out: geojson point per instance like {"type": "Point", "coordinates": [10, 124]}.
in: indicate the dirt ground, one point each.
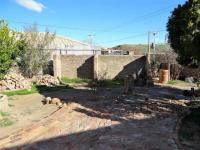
{"type": "Point", "coordinates": [103, 119]}
{"type": "Point", "coordinates": [24, 111]}
{"type": "Point", "coordinates": [190, 131]}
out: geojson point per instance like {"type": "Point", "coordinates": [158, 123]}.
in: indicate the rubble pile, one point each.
{"type": "Point", "coordinates": [47, 80]}
{"type": "Point", "coordinates": [13, 81]}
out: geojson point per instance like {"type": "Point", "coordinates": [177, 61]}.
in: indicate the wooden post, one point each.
{"type": "Point", "coordinates": [148, 56]}
{"type": "Point", "coordinates": [149, 46]}
{"type": "Point", "coordinates": [128, 84]}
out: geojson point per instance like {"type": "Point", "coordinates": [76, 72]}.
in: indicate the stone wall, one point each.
{"type": "Point", "coordinates": [98, 66]}
{"type": "Point", "coordinates": [111, 67]}
{"type": "Point", "coordinates": [190, 72]}
{"type": "Point", "coordinates": [73, 66]}
{"type": "Point", "coordinates": [171, 58]}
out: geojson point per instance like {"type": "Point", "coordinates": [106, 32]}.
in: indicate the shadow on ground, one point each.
{"type": "Point", "coordinates": [144, 120]}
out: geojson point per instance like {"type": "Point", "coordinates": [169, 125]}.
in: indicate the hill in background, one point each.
{"type": "Point", "coordinates": [142, 48]}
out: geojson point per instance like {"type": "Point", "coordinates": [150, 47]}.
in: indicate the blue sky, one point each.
{"type": "Point", "coordinates": [112, 22]}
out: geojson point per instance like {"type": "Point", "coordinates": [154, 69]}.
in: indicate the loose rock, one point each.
{"type": "Point", "coordinates": [59, 104]}
{"type": "Point", "coordinates": [55, 101]}
{"type": "Point", "coordinates": [189, 79]}
{"type": "Point", "coordinates": [14, 81]}
{"type": "Point", "coordinates": [47, 80]}
{"type": "Point", "coordinates": [48, 100]}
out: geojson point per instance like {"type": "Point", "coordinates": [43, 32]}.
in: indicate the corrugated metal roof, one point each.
{"type": "Point", "coordinates": [67, 43]}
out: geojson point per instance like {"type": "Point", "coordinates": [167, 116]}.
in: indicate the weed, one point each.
{"type": "Point", "coordinates": [35, 89]}
{"type": "Point", "coordinates": [172, 82]}
{"type": "Point", "coordinates": [3, 114]}
{"type": "Point", "coordinates": [6, 122]}
{"type": "Point", "coordinates": [67, 80]}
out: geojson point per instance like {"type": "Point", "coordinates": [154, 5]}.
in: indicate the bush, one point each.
{"type": "Point", "coordinates": [9, 47]}
{"type": "Point", "coordinates": [36, 55]}
{"type": "Point", "coordinates": [175, 70]}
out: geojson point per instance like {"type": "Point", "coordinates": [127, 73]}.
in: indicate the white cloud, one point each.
{"type": "Point", "coordinates": [31, 4]}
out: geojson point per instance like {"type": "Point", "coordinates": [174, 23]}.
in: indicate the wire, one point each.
{"type": "Point", "coordinates": [64, 27]}
{"type": "Point", "coordinates": [126, 38]}
{"type": "Point", "coordinates": [132, 37]}
{"type": "Point", "coordinates": [140, 18]}
{"type": "Point", "coordinates": [135, 20]}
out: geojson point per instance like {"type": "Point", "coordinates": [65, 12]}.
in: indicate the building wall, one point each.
{"type": "Point", "coordinates": [111, 67]}
{"type": "Point", "coordinates": [77, 66]}
{"type": "Point", "coordinates": [98, 66]}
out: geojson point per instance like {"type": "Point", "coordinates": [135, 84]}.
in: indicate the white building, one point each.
{"type": "Point", "coordinates": [67, 46]}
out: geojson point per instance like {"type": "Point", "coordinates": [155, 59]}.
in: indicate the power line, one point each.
{"type": "Point", "coordinates": [132, 37]}
{"type": "Point", "coordinates": [140, 18]}
{"type": "Point", "coordinates": [126, 38]}
{"type": "Point", "coordinates": [135, 20]}
{"type": "Point", "coordinates": [54, 26]}
{"type": "Point", "coordinates": [63, 27]}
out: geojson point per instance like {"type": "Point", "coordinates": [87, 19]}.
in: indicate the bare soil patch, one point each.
{"type": "Point", "coordinates": [190, 130]}
{"type": "Point", "coordinates": [108, 119]}
{"type": "Point", "coordinates": [25, 110]}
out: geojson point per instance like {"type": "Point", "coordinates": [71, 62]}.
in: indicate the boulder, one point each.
{"type": "Point", "coordinates": [59, 104]}
{"type": "Point", "coordinates": [189, 79]}
{"type": "Point", "coordinates": [48, 100]}
{"type": "Point", "coordinates": [55, 101]}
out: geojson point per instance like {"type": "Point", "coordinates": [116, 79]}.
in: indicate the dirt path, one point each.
{"type": "Point", "coordinates": [106, 120]}
{"type": "Point", "coordinates": [25, 110]}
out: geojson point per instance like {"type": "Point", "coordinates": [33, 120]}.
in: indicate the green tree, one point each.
{"type": "Point", "coordinates": [184, 32]}
{"type": "Point", "coordinates": [9, 47]}
{"type": "Point", "coordinates": [36, 54]}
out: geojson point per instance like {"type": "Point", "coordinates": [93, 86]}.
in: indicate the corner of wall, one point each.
{"type": "Point", "coordinates": [96, 66]}
{"type": "Point", "coordinates": [57, 66]}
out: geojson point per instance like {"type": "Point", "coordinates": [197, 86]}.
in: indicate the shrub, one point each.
{"type": "Point", "coordinates": [9, 47]}
{"type": "Point", "coordinates": [36, 55]}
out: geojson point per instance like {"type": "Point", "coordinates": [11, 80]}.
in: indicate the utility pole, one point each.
{"type": "Point", "coordinates": [149, 49]}
{"type": "Point", "coordinates": [166, 38]}
{"type": "Point", "coordinates": [91, 42]}
{"type": "Point", "coordinates": [154, 45]}
{"type": "Point", "coordinates": [91, 39]}
{"type": "Point", "coordinates": [149, 40]}
{"type": "Point", "coordinates": [148, 60]}
{"type": "Point", "coordinates": [154, 42]}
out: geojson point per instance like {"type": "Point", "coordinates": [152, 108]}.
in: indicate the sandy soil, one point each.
{"type": "Point", "coordinates": [25, 110]}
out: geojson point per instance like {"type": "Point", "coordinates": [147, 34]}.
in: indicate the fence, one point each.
{"type": "Point", "coordinates": [75, 52]}
{"type": "Point", "coordinates": [98, 66]}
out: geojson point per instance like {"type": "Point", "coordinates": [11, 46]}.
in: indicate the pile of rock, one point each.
{"type": "Point", "coordinates": [14, 81]}
{"type": "Point", "coordinates": [47, 80]}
